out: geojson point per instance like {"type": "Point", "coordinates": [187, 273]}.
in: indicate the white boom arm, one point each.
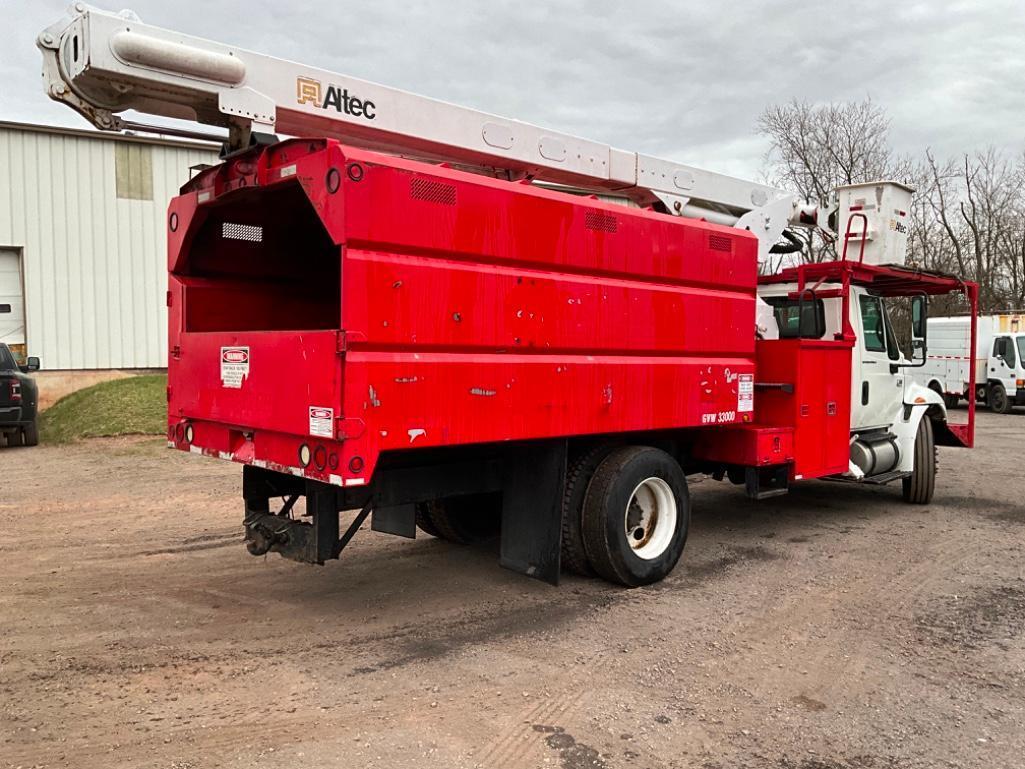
{"type": "Point", "coordinates": [101, 64]}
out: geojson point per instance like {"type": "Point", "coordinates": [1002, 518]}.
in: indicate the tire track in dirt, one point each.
{"type": "Point", "coordinates": [518, 746]}
{"type": "Point", "coordinates": [832, 671]}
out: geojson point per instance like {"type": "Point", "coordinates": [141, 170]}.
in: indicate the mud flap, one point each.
{"type": "Point", "coordinates": [534, 481]}
{"type": "Point", "coordinates": [395, 519]}
{"type": "Point", "coordinates": [765, 482]}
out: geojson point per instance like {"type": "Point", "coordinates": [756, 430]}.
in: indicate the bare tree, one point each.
{"type": "Point", "coordinates": [816, 148]}
{"type": "Point", "coordinates": [968, 214]}
{"type": "Point", "coordinates": [978, 203]}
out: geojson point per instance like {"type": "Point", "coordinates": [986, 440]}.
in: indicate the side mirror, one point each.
{"type": "Point", "coordinates": [919, 313]}
{"type": "Point", "coordinates": [32, 363]}
{"type": "Point", "coordinates": [919, 329]}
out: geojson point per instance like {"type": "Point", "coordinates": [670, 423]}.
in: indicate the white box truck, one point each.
{"type": "Point", "coordinates": [999, 358]}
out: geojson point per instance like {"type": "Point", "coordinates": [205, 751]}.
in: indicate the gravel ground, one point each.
{"type": "Point", "coordinates": [835, 628]}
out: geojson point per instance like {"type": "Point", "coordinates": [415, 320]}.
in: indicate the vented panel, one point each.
{"type": "Point", "coordinates": [720, 243]}
{"type": "Point", "coordinates": [250, 232]}
{"type": "Point", "coordinates": [601, 220]}
{"type": "Point", "coordinates": [432, 191]}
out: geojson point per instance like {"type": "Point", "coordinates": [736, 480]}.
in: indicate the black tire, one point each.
{"type": "Point", "coordinates": [919, 488]}
{"type": "Point", "coordinates": [30, 434]}
{"type": "Point", "coordinates": [951, 400]}
{"type": "Point", "coordinates": [462, 520]}
{"type": "Point", "coordinates": [423, 520]}
{"type": "Point", "coordinates": [578, 478]}
{"type": "Point", "coordinates": [609, 503]}
{"type": "Point", "coordinates": [998, 400]}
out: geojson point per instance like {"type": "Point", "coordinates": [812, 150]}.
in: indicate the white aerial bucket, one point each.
{"type": "Point", "coordinates": [886, 208]}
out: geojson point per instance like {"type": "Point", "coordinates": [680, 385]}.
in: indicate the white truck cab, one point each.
{"type": "Point", "coordinates": [887, 403]}
{"type": "Point", "coordinates": [999, 360]}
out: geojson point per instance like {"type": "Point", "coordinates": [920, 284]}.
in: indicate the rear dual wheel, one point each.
{"type": "Point", "coordinates": [626, 513]}
{"type": "Point", "coordinates": [634, 515]}
{"type": "Point", "coordinates": [462, 520]}
{"type": "Point", "coordinates": [25, 436]}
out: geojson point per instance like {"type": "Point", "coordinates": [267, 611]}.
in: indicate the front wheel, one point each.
{"type": "Point", "coordinates": [951, 400]}
{"type": "Point", "coordinates": [998, 400]}
{"type": "Point", "coordinates": [636, 516]}
{"type": "Point", "coordinates": [919, 487]}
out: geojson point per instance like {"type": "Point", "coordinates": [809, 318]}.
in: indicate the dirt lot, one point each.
{"type": "Point", "coordinates": [836, 628]}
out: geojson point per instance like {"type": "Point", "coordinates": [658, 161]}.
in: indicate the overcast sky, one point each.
{"type": "Point", "coordinates": [684, 80]}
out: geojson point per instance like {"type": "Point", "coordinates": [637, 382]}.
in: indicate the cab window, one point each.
{"type": "Point", "coordinates": [892, 348]}
{"type": "Point", "coordinates": [1003, 347]}
{"type": "Point", "coordinates": [872, 324]}
{"type": "Point", "coordinates": [796, 319]}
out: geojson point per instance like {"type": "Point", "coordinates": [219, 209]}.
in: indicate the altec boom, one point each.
{"type": "Point", "coordinates": [455, 348]}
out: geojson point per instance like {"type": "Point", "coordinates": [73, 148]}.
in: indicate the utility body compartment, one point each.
{"type": "Point", "coordinates": [802, 407]}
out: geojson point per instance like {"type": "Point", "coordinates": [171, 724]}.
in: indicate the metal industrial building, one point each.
{"type": "Point", "coordinates": [83, 258]}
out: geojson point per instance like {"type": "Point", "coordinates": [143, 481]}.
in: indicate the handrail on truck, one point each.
{"type": "Point", "coordinates": [849, 234]}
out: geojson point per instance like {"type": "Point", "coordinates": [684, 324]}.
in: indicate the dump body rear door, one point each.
{"type": "Point", "coordinates": [260, 380]}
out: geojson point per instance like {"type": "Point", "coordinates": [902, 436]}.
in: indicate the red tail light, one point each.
{"type": "Point", "coordinates": [15, 386]}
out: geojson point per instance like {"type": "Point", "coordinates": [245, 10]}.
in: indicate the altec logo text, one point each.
{"type": "Point", "coordinates": [310, 91]}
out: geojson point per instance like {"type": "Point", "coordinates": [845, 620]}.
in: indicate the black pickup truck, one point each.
{"type": "Point", "coordinates": [19, 401]}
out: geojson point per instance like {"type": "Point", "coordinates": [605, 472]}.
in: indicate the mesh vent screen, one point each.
{"type": "Point", "coordinates": [601, 220]}
{"type": "Point", "coordinates": [250, 232]}
{"type": "Point", "coordinates": [432, 191]}
{"type": "Point", "coordinates": [720, 243]}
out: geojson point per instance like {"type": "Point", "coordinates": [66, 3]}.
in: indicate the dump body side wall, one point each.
{"type": "Point", "coordinates": [489, 311]}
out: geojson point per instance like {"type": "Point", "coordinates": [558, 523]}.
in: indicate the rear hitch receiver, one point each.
{"type": "Point", "coordinates": [261, 538]}
{"type": "Point", "coordinates": [313, 541]}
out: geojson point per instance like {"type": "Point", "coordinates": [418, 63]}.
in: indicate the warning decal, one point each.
{"type": "Point", "coordinates": [234, 366]}
{"type": "Point", "coordinates": [322, 421]}
{"type": "Point", "coordinates": [746, 392]}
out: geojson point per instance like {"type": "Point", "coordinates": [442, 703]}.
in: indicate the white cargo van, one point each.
{"type": "Point", "coordinates": [999, 360]}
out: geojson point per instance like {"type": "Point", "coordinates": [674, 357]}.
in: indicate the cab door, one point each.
{"type": "Point", "coordinates": [878, 388]}
{"type": "Point", "coordinates": [1003, 362]}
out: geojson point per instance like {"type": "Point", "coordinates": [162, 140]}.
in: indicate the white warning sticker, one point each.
{"type": "Point", "coordinates": [322, 422]}
{"type": "Point", "coordinates": [746, 392]}
{"type": "Point", "coordinates": [234, 366]}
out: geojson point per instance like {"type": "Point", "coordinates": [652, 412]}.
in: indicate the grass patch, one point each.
{"type": "Point", "coordinates": [133, 406]}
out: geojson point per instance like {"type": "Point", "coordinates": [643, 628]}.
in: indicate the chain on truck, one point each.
{"type": "Point", "coordinates": [410, 310]}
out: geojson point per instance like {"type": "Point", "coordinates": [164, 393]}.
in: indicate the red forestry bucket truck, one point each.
{"type": "Point", "coordinates": [410, 310]}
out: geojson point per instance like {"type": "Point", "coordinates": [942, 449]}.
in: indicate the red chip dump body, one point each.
{"type": "Point", "coordinates": [419, 306]}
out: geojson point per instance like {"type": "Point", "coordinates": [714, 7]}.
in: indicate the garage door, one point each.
{"type": "Point", "coordinates": [12, 301]}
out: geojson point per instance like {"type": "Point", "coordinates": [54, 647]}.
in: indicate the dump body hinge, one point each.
{"type": "Point", "coordinates": [346, 339]}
